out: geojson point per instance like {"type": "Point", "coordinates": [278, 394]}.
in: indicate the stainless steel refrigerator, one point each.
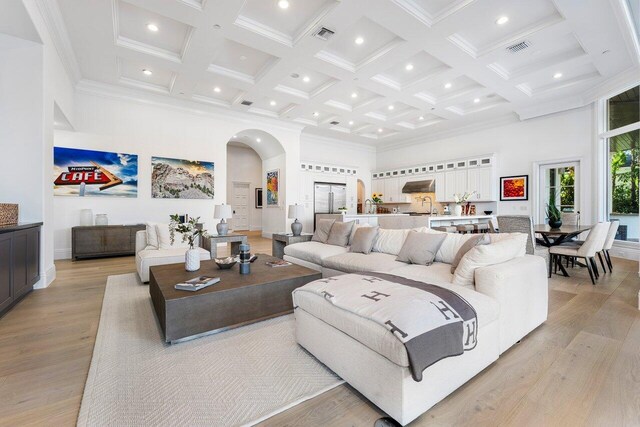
{"type": "Point", "coordinates": [328, 198]}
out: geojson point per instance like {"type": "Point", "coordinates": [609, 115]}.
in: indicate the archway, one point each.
{"type": "Point", "coordinates": [251, 155]}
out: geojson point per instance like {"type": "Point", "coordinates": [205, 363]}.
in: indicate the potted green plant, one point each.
{"type": "Point", "coordinates": [190, 233]}
{"type": "Point", "coordinates": [553, 215]}
{"type": "Point", "coordinates": [343, 210]}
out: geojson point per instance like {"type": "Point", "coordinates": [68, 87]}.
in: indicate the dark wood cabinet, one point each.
{"type": "Point", "coordinates": [104, 240]}
{"type": "Point", "coordinates": [19, 262]}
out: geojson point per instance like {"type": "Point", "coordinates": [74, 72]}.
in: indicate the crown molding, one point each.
{"type": "Point", "coordinates": [474, 127]}
{"type": "Point", "coordinates": [614, 85]}
{"type": "Point", "coordinates": [50, 12]}
{"type": "Point", "coordinates": [91, 87]}
{"type": "Point", "coordinates": [556, 106]}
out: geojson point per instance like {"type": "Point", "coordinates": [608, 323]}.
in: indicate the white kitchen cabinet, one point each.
{"type": "Point", "coordinates": [390, 193]}
{"type": "Point", "coordinates": [377, 186]}
{"type": "Point", "coordinates": [461, 181]}
{"type": "Point", "coordinates": [482, 181]}
{"type": "Point", "coordinates": [449, 185]}
{"type": "Point", "coordinates": [440, 187]}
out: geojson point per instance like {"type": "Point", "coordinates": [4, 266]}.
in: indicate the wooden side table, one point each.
{"type": "Point", "coordinates": [280, 240]}
{"type": "Point", "coordinates": [211, 243]}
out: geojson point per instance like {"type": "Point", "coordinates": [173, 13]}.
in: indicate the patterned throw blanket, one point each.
{"type": "Point", "coordinates": [432, 322]}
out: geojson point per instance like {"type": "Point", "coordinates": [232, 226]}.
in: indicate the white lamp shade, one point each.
{"type": "Point", "coordinates": [296, 211]}
{"type": "Point", "coordinates": [223, 211]}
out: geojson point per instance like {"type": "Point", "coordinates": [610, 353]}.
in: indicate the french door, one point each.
{"type": "Point", "coordinates": [559, 185]}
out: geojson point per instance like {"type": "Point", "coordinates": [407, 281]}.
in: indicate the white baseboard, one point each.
{"type": "Point", "coordinates": [267, 234]}
{"type": "Point", "coordinates": [47, 278]}
{"type": "Point", "coordinates": [62, 253]}
{"type": "Point", "coordinates": [626, 253]}
{"type": "Point", "coordinates": [255, 228]}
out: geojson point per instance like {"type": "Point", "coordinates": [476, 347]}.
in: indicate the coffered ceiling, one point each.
{"type": "Point", "coordinates": [393, 70]}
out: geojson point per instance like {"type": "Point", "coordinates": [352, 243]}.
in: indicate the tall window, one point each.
{"type": "Point", "coordinates": [623, 148]}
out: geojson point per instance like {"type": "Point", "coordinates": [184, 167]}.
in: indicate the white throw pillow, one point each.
{"type": "Point", "coordinates": [485, 255]}
{"type": "Point", "coordinates": [450, 247]}
{"type": "Point", "coordinates": [390, 241]}
{"type": "Point", "coordinates": [152, 235]}
{"type": "Point", "coordinates": [164, 238]}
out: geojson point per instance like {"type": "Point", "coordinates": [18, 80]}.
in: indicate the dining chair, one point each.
{"type": "Point", "coordinates": [594, 243]}
{"type": "Point", "coordinates": [522, 224]}
{"type": "Point", "coordinates": [570, 218]}
{"type": "Point", "coordinates": [608, 244]}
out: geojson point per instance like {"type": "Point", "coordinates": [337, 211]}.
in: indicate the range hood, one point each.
{"type": "Point", "coordinates": [425, 186]}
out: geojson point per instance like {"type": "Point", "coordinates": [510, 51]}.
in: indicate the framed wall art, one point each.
{"type": "Point", "coordinates": [514, 187]}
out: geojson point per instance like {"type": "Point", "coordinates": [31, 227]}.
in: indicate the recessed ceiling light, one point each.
{"type": "Point", "coordinates": [557, 75]}
{"type": "Point", "coordinates": [447, 85]}
{"type": "Point", "coordinates": [359, 40]}
{"type": "Point", "coordinates": [354, 95]}
{"type": "Point", "coordinates": [379, 130]}
{"type": "Point", "coordinates": [421, 118]}
{"type": "Point", "coordinates": [390, 107]}
{"type": "Point", "coordinates": [283, 4]}
{"type": "Point", "coordinates": [147, 72]}
{"type": "Point", "coordinates": [306, 79]}
{"type": "Point", "coordinates": [272, 103]}
{"type": "Point", "coordinates": [475, 101]}
{"type": "Point", "coordinates": [350, 122]}
{"type": "Point", "coordinates": [408, 67]}
{"type": "Point", "coordinates": [316, 114]}
{"type": "Point", "coordinates": [216, 89]}
{"type": "Point", "coordinates": [152, 27]}
{"type": "Point", "coordinates": [258, 140]}
{"type": "Point", "coordinates": [502, 20]}
{"type": "Point", "coordinates": [234, 136]}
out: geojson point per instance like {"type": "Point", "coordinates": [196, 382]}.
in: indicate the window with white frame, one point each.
{"type": "Point", "coordinates": [622, 146]}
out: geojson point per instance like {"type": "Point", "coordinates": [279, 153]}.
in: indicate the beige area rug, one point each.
{"type": "Point", "coordinates": [237, 377]}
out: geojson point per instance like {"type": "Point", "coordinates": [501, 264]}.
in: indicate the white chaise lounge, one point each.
{"type": "Point", "coordinates": [510, 299]}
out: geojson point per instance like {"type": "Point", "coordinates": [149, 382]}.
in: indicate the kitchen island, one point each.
{"type": "Point", "coordinates": [403, 220]}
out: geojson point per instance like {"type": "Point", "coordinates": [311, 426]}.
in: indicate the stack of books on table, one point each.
{"type": "Point", "coordinates": [197, 283]}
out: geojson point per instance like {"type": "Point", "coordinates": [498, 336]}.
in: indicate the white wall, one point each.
{"type": "Point", "coordinates": [245, 165]}
{"type": "Point", "coordinates": [517, 146]}
{"type": "Point", "coordinates": [112, 123]}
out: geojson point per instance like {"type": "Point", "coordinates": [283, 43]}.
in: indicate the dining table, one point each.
{"type": "Point", "coordinates": [557, 236]}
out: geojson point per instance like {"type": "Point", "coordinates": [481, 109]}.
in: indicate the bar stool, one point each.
{"type": "Point", "coordinates": [446, 228]}
{"type": "Point", "coordinates": [480, 227]}
{"type": "Point", "coordinates": [465, 228]}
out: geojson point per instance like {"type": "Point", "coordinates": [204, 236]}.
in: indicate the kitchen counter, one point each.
{"type": "Point", "coordinates": [460, 217]}
{"type": "Point", "coordinates": [404, 220]}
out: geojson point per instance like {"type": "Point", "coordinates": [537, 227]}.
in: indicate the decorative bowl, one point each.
{"type": "Point", "coordinates": [488, 212]}
{"type": "Point", "coordinates": [225, 263]}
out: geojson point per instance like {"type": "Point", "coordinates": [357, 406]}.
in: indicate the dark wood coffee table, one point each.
{"type": "Point", "coordinates": [235, 301]}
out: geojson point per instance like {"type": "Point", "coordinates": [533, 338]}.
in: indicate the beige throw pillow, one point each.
{"type": "Point", "coordinates": [478, 239]}
{"type": "Point", "coordinates": [164, 238]}
{"type": "Point", "coordinates": [420, 248]}
{"type": "Point", "coordinates": [363, 238]}
{"type": "Point", "coordinates": [390, 241]}
{"type": "Point", "coordinates": [323, 227]}
{"type": "Point", "coordinates": [339, 233]}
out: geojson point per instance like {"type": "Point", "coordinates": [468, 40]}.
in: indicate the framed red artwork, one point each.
{"type": "Point", "coordinates": [514, 187]}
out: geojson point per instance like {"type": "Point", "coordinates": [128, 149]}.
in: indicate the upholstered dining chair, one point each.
{"type": "Point", "coordinates": [522, 224]}
{"type": "Point", "coordinates": [608, 244]}
{"type": "Point", "coordinates": [592, 245]}
{"type": "Point", "coordinates": [570, 218]}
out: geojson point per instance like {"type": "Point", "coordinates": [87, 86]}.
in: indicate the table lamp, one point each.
{"type": "Point", "coordinates": [223, 212]}
{"type": "Point", "coordinates": [296, 211]}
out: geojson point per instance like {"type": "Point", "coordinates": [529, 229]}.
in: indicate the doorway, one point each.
{"type": "Point", "coordinates": [240, 206]}
{"type": "Point", "coordinates": [559, 185]}
{"type": "Point", "coordinates": [361, 196]}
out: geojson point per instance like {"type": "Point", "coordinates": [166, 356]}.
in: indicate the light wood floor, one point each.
{"type": "Point", "coordinates": [582, 367]}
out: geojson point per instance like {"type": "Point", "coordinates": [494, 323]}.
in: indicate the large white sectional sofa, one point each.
{"type": "Point", "coordinates": [510, 298]}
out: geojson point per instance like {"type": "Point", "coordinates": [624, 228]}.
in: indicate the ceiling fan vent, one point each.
{"type": "Point", "coordinates": [247, 103]}
{"type": "Point", "coordinates": [324, 33]}
{"type": "Point", "coordinates": [334, 123]}
{"type": "Point", "coordinates": [518, 46]}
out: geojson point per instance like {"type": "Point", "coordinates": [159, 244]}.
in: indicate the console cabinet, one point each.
{"type": "Point", "coordinates": [19, 262]}
{"type": "Point", "coordinates": [104, 240]}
